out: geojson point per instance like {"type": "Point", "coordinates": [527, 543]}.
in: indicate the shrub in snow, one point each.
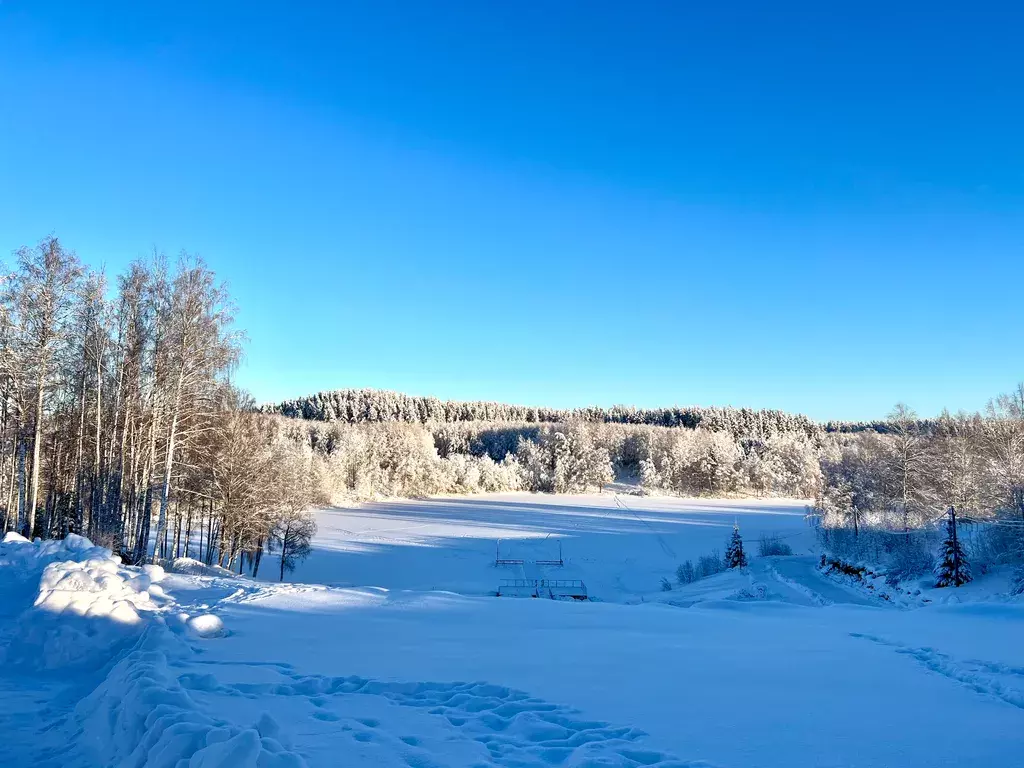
{"type": "Point", "coordinates": [756, 591]}
{"type": "Point", "coordinates": [735, 556]}
{"type": "Point", "coordinates": [769, 546]}
{"type": "Point", "coordinates": [909, 560]}
{"type": "Point", "coordinates": [709, 565]}
{"type": "Point", "coordinates": [833, 565]}
{"type": "Point", "coordinates": [666, 585]}
{"type": "Point", "coordinates": [1017, 581]}
{"type": "Point", "coordinates": [686, 573]}
{"type": "Point", "coordinates": [953, 570]}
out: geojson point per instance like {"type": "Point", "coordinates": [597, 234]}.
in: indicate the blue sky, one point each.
{"type": "Point", "coordinates": [550, 203]}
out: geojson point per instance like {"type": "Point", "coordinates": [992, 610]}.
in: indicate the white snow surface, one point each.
{"type": "Point", "coordinates": [402, 656]}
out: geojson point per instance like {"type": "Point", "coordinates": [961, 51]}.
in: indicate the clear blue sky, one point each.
{"type": "Point", "coordinates": [562, 203]}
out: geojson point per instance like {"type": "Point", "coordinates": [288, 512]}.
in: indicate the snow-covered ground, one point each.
{"type": "Point", "coordinates": [405, 659]}
{"type": "Point", "coordinates": [620, 546]}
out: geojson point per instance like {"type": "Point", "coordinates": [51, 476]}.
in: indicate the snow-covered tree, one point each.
{"type": "Point", "coordinates": [953, 569]}
{"type": "Point", "coordinates": [735, 555]}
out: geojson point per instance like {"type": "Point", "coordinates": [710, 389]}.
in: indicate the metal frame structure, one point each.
{"type": "Point", "coordinates": [555, 588]}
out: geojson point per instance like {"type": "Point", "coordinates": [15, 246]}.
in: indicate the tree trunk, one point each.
{"type": "Point", "coordinates": [172, 437]}
{"type": "Point", "coordinates": [23, 523]}
{"type": "Point", "coordinates": [96, 505]}
{"type": "Point", "coordinates": [80, 520]}
{"type": "Point", "coordinates": [37, 438]}
{"type": "Point", "coordinates": [284, 547]}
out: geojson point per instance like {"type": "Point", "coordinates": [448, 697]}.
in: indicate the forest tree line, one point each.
{"type": "Point", "coordinates": [360, 406]}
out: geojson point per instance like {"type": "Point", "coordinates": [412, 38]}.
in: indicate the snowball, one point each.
{"type": "Point", "coordinates": [206, 625]}
{"type": "Point", "coordinates": [154, 572]}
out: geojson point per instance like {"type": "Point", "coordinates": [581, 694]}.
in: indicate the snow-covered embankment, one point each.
{"type": "Point", "coordinates": [90, 613]}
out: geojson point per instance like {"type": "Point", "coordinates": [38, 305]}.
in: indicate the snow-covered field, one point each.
{"type": "Point", "coordinates": [400, 656]}
{"type": "Point", "coordinates": [620, 546]}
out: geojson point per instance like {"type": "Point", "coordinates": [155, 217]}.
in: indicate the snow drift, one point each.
{"type": "Point", "coordinates": [92, 612]}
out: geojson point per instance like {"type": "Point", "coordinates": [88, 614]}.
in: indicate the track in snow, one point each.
{"type": "Point", "coordinates": [984, 677]}
{"type": "Point", "coordinates": [801, 575]}
{"type": "Point", "coordinates": [404, 723]}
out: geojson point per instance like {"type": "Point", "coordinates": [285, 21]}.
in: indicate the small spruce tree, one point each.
{"type": "Point", "coordinates": [953, 569]}
{"type": "Point", "coordinates": [735, 556]}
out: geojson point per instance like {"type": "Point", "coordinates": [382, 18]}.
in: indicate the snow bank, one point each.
{"type": "Point", "coordinates": [87, 609]}
{"type": "Point", "coordinates": [31, 556]}
{"type": "Point", "coordinates": [86, 606]}
{"type": "Point", "coordinates": [141, 716]}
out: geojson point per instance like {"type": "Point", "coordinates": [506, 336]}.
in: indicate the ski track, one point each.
{"type": "Point", "coordinates": [976, 675]}
{"type": "Point", "coordinates": [515, 728]}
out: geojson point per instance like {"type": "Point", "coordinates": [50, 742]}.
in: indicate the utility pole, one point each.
{"type": "Point", "coordinates": [956, 544]}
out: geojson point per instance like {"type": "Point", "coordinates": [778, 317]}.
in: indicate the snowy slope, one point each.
{"type": "Point", "coordinates": [398, 674]}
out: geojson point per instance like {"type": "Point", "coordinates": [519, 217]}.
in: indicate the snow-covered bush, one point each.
{"type": "Point", "coordinates": [1017, 581]}
{"type": "Point", "coordinates": [686, 573]}
{"type": "Point", "coordinates": [756, 591]}
{"type": "Point", "coordinates": [709, 565]}
{"type": "Point", "coordinates": [999, 544]}
{"type": "Point", "coordinates": [666, 585]}
{"type": "Point", "coordinates": [909, 560]}
{"type": "Point", "coordinates": [773, 545]}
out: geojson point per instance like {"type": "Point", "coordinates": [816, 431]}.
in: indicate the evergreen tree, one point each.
{"type": "Point", "coordinates": [735, 555]}
{"type": "Point", "coordinates": [953, 569]}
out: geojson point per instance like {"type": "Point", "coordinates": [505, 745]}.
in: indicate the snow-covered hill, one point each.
{"type": "Point", "coordinates": [404, 659]}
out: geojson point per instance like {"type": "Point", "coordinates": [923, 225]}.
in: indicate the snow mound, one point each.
{"type": "Point", "coordinates": [87, 606]}
{"type": "Point", "coordinates": [191, 567]}
{"type": "Point", "coordinates": [140, 715]}
{"type": "Point", "coordinates": [31, 556]}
